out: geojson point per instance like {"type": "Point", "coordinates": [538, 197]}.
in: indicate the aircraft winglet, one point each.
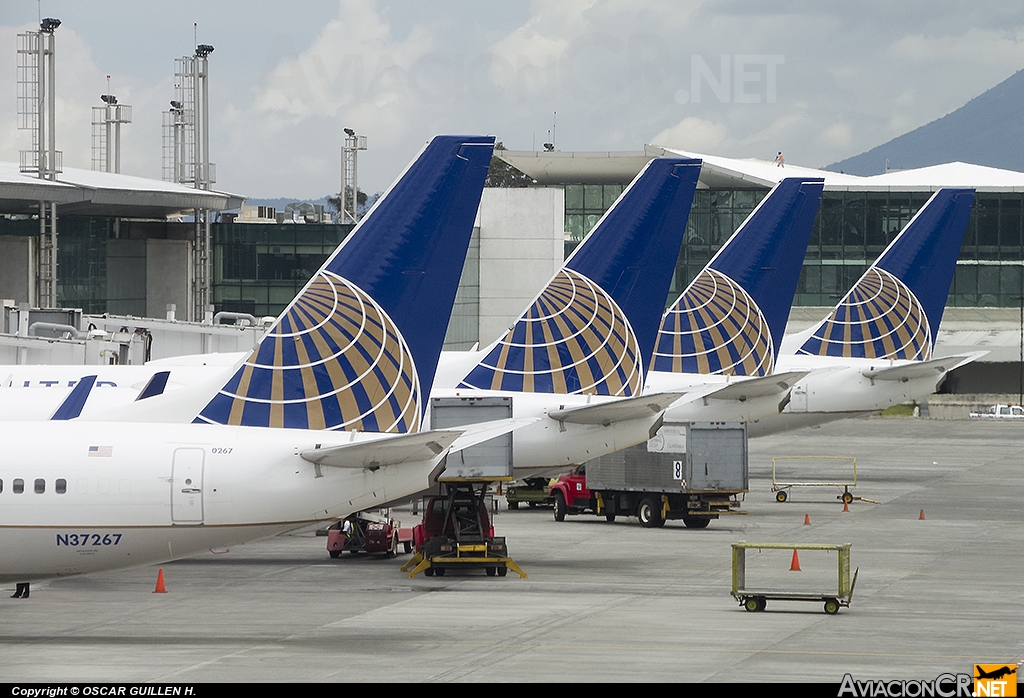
{"type": "Point", "coordinates": [72, 406]}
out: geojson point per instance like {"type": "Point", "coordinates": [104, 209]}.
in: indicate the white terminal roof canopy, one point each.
{"type": "Point", "coordinates": [89, 193]}
{"type": "Point", "coordinates": [557, 167]}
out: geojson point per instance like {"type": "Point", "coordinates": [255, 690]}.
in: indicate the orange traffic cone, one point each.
{"type": "Point", "coordinates": [795, 565]}
{"type": "Point", "coordinates": [807, 519]}
{"type": "Point", "coordinates": [846, 506]}
{"type": "Point", "coordinates": [921, 517]}
{"type": "Point", "coordinates": [160, 588]}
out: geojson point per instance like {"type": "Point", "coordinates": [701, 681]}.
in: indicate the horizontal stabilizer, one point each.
{"type": "Point", "coordinates": [922, 369]}
{"type": "Point", "coordinates": [606, 413]}
{"type": "Point", "coordinates": [393, 450]}
{"type": "Point", "coordinates": [478, 433]}
{"type": "Point", "coordinates": [75, 401]}
{"type": "Point", "coordinates": [757, 387]}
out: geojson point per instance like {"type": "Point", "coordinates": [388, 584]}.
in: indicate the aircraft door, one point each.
{"type": "Point", "coordinates": [187, 486]}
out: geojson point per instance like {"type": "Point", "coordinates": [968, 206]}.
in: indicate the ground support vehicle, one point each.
{"type": "Point", "coordinates": [367, 532]}
{"type": "Point", "coordinates": [694, 471]}
{"type": "Point", "coordinates": [456, 533]}
{"type": "Point", "coordinates": [1000, 412]}
{"type": "Point", "coordinates": [753, 598]}
{"type": "Point", "coordinates": [821, 464]}
{"type": "Point", "coordinates": [532, 492]}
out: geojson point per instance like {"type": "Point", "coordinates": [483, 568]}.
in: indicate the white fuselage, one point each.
{"type": "Point", "coordinates": [81, 497]}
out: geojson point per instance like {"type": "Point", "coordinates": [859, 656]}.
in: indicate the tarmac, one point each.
{"type": "Point", "coordinates": [603, 601]}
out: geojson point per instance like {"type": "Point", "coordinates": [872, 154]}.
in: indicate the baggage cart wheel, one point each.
{"type": "Point", "coordinates": [781, 496]}
{"type": "Point", "coordinates": [559, 506]}
{"type": "Point", "coordinates": [831, 607]}
{"type": "Point", "coordinates": [761, 603]}
{"type": "Point", "coordinates": [750, 604]}
{"type": "Point", "coordinates": [847, 497]}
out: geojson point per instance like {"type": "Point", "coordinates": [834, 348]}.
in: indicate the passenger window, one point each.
{"type": "Point", "coordinates": [62, 486]}
{"type": "Point", "coordinates": [1, 485]}
{"type": "Point", "coordinates": [19, 485]}
{"type": "Point", "coordinates": [40, 485]}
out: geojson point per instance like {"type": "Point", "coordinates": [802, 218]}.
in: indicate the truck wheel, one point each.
{"type": "Point", "coordinates": [649, 514]}
{"type": "Point", "coordinates": [513, 506]}
{"type": "Point", "coordinates": [335, 553]}
{"type": "Point", "coordinates": [440, 572]}
{"type": "Point", "coordinates": [393, 550]}
{"type": "Point", "coordinates": [696, 521]}
{"type": "Point", "coordinates": [610, 518]}
{"type": "Point", "coordinates": [407, 546]}
{"type": "Point", "coordinates": [502, 571]}
{"type": "Point", "coordinates": [559, 506]}
{"type": "Point", "coordinates": [491, 571]}
{"type": "Point", "coordinates": [429, 572]}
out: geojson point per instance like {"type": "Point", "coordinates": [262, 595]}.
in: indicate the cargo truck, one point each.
{"type": "Point", "coordinates": [695, 471]}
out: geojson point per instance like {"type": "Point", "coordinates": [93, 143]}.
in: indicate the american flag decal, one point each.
{"type": "Point", "coordinates": [101, 451]}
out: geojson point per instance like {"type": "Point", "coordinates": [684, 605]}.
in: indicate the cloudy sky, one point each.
{"type": "Point", "coordinates": [820, 81]}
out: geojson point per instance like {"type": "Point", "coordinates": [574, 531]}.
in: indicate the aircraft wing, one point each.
{"type": "Point", "coordinates": [757, 387]}
{"type": "Point", "coordinates": [391, 450]}
{"type": "Point", "coordinates": [626, 409]}
{"type": "Point", "coordinates": [922, 369]}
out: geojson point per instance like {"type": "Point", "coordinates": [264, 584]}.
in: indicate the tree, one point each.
{"type": "Point", "coordinates": [502, 174]}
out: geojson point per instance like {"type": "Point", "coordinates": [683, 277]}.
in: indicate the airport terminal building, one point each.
{"type": "Point", "coordinates": [125, 249]}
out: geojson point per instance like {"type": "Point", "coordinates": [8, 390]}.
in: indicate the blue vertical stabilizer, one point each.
{"type": "Point", "coordinates": [592, 329]}
{"type": "Point", "coordinates": [731, 318]}
{"type": "Point", "coordinates": [358, 347]}
{"type": "Point", "coordinates": [894, 310]}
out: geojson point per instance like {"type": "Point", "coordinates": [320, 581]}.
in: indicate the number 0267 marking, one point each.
{"type": "Point", "coordinates": [220, 450]}
{"type": "Point", "coordinates": [81, 540]}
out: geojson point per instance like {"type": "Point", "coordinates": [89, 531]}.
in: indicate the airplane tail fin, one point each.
{"type": "Point", "coordinates": [731, 318]}
{"type": "Point", "coordinates": [358, 347]}
{"type": "Point", "coordinates": [894, 310]}
{"type": "Point", "coordinates": [591, 330]}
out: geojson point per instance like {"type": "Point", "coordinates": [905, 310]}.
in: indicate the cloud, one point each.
{"type": "Point", "coordinates": [693, 134]}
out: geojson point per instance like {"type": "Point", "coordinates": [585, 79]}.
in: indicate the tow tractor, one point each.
{"type": "Point", "coordinates": [367, 532]}
{"type": "Point", "coordinates": [456, 531]}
